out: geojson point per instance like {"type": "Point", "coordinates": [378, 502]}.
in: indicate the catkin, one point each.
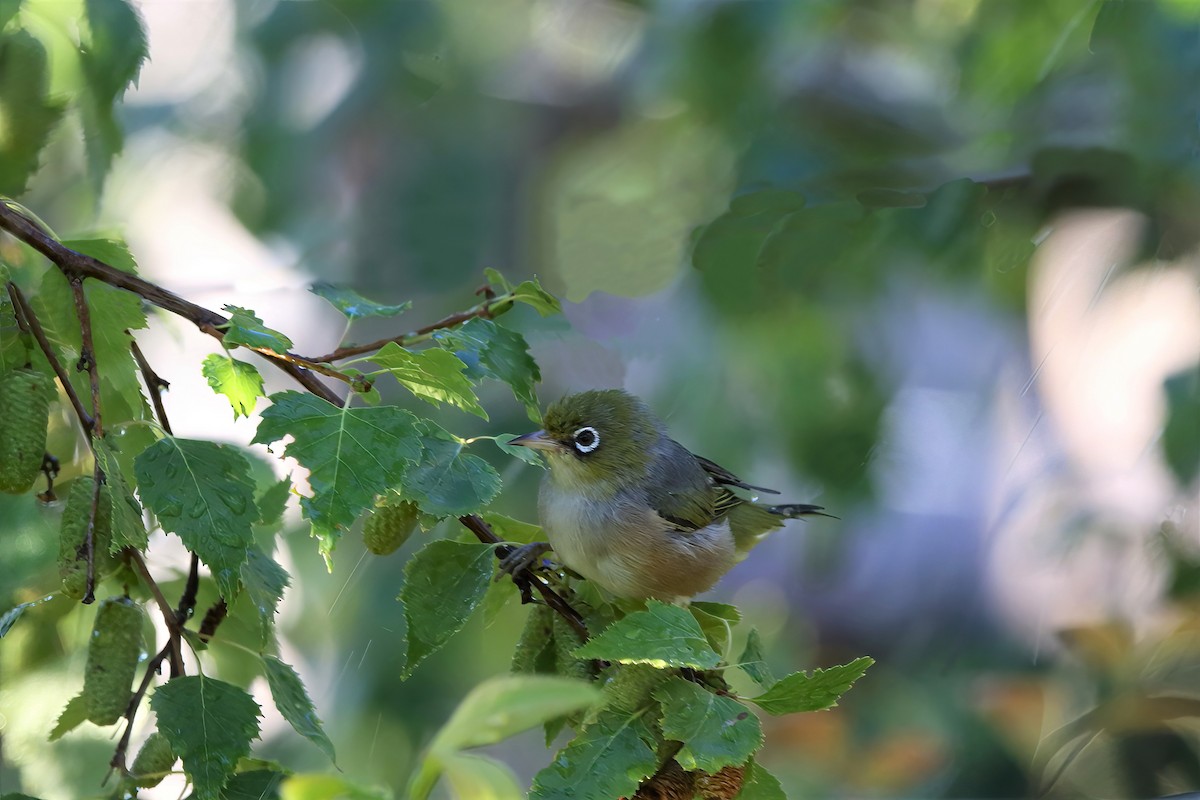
{"type": "Point", "coordinates": [72, 531]}
{"type": "Point", "coordinates": [535, 636]}
{"type": "Point", "coordinates": [154, 759]}
{"type": "Point", "coordinates": [24, 415]}
{"type": "Point", "coordinates": [389, 526]}
{"type": "Point", "coordinates": [113, 653]}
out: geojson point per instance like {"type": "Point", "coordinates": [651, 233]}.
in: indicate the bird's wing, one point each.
{"type": "Point", "coordinates": [679, 491]}
{"type": "Point", "coordinates": [724, 477]}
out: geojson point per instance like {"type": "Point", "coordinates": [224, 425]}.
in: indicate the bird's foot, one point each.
{"type": "Point", "coordinates": [519, 560]}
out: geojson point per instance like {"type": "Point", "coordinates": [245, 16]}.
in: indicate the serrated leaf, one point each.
{"type": "Point", "coordinates": [13, 350]}
{"type": "Point", "coordinates": [496, 352]}
{"type": "Point", "coordinates": [111, 59]}
{"type": "Point", "coordinates": [532, 294]}
{"type": "Point", "coordinates": [27, 114]}
{"type": "Point", "coordinates": [435, 376]}
{"type": "Point", "coordinates": [608, 759]}
{"type": "Point", "coordinates": [352, 454]}
{"type": "Point", "coordinates": [716, 731]}
{"type": "Point", "coordinates": [444, 582]}
{"type": "Point", "coordinates": [263, 581]}
{"type": "Point", "coordinates": [272, 502]}
{"type": "Point", "coordinates": [815, 692]}
{"type": "Point", "coordinates": [758, 784]}
{"type": "Point", "coordinates": [74, 715]}
{"type": "Point", "coordinates": [202, 492]}
{"type": "Point", "coordinates": [128, 529]}
{"type": "Point", "coordinates": [447, 481]}
{"type": "Point", "coordinates": [210, 725]}
{"type": "Point", "coordinates": [753, 663]}
{"type": "Point", "coordinates": [663, 636]}
{"type": "Point", "coordinates": [244, 328]}
{"type": "Point", "coordinates": [294, 704]}
{"type": "Point", "coordinates": [504, 706]}
{"type": "Point", "coordinates": [240, 382]}
{"type": "Point", "coordinates": [496, 279]}
{"type": "Point", "coordinates": [254, 784]}
{"type": "Point", "coordinates": [526, 454]}
{"type": "Point", "coordinates": [353, 304]}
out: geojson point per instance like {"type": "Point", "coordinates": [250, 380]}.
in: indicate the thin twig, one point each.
{"type": "Point", "coordinates": [118, 759]}
{"type": "Point", "coordinates": [485, 534]}
{"type": "Point", "coordinates": [26, 316]}
{"type": "Point", "coordinates": [487, 309]}
{"type": "Point", "coordinates": [89, 539]}
{"type": "Point", "coordinates": [154, 385]}
{"type": "Point", "coordinates": [87, 352]}
{"type": "Point", "coordinates": [173, 627]}
{"type": "Point", "coordinates": [76, 264]}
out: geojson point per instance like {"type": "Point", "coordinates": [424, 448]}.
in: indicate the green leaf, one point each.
{"type": "Point", "coordinates": [513, 530]}
{"type": "Point", "coordinates": [443, 584]}
{"type": "Point", "coordinates": [74, 715]}
{"type": "Point", "coordinates": [448, 481]}
{"type": "Point", "coordinates": [328, 787]}
{"type": "Point", "coordinates": [758, 784]}
{"type": "Point", "coordinates": [27, 114]}
{"type": "Point", "coordinates": [240, 382]}
{"type": "Point", "coordinates": [254, 784]}
{"type": "Point", "coordinates": [608, 759]}
{"type": "Point", "coordinates": [663, 636]}
{"type": "Point", "coordinates": [352, 454]}
{"type": "Point", "coordinates": [496, 352]}
{"type": "Point", "coordinates": [111, 59]}
{"type": "Point", "coordinates": [504, 706]}
{"type": "Point", "coordinates": [246, 329]}
{"type": "Point", "coordinates": [717, 621]}
{"type": "Point", "coordinates": [1181, 435]}
{"type": "Point", "coordinates": [272, 502]}
{"type": "Point", "coordinates": [435, 376]}
{"type": "Point", "coordinates": [202, 492]}
{"type": "Point", "coordinates": [815, 692]}
{"type": "Point", "coordinates": [480, 778]}
{"type": "Point", "coordinates": [716, 731]}
{"type": "Point", "coordinates": [14, 353]}
{"type": "Point", "coordinates": [263, 581]}
{"type": "Point", "coordinates": [128, 529]}
{"type": "Point", "coordinates": [12, 615]}
{"type": "Point", "coordinates": [532, 294]}
{"type": "Point", "coordinates": [753, 663]}
{"type": "Point", "coordinates": [353, 304]}
{"type": "Point", "coordinates": [210, 725]}
{"type": "Point", "coordinates": [294, 704]}
{"type": "Point", "coordinates": [526, 454]}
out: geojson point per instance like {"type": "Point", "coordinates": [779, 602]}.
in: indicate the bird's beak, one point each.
{"type": "Point", "coordinates": [538, 440]}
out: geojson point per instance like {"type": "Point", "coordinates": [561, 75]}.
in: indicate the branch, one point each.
{"type": "Point", "coordinates": [74, 264]}
{"type": "Point", "coordinates": [154, 385]}
{"type": "Point", "coordinates": [487, 309]}
{"type": "Point", "coordinates": [29, 320]}
{"type": "Point", "coordinates": [87, 352]}
{"type": "Point", "coordinates": [118, 759]}
{"type": "Point", "coordinates": [173, 626]}
{"type": "Point", "coordinates": [485, 534]}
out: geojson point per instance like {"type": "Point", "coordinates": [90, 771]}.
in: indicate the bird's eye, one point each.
{"type": "Point", "coordinates": [586, 439]}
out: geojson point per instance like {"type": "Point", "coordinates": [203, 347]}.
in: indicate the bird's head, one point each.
{"type": "Point", "coordinates": [596, 441]}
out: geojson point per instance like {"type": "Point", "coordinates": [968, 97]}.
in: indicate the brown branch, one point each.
{"type": "Point", "coordinates": [174, 628]}
{"type": "Point", "coordinates": [118, 759]}
{"type": "Point", "coordinates": [89, 539]}
{"type": "Point", "coordinates": [487, 309]}
{"type": "Point", "coordinates": [77, 265]}
{"type": "Point", "coordinates": [26, 317]}
{"type": "Point", "coordinates": [87, 352]}
{"type": "Point", "coordinates": [154, 385]}
{"type": "Point", "coordinates": [485, 534]}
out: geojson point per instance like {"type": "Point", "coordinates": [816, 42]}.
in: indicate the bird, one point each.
{"type": "Point", "coordinates": [631, 509]}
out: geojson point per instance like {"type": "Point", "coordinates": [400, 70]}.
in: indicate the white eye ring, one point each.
{"type": "Point", "coordinates": [586, 448]}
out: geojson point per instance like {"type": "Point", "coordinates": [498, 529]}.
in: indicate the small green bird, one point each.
{"type": "Point", "coordinates": [628, 507]}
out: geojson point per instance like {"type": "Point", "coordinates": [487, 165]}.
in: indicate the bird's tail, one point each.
{"type": "Point", "coordinates": [797, 510]}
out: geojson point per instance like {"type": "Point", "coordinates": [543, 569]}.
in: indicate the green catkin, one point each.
{"type": "Point", "coordinates": [153, 760]}
{"type": "Point", "coordinates": [535, 636]}
{"type": "Point", "coordinates": [389, 526]}
{"type": "Point", "coordinates": [24, 415]}
{"type": "Point", "coordinates": [112, 659]}
{"type": "Point", "coordinates": [629, 686]}
{"type": "Point", "coordinates": [72, 531]}
{"type": "Point", "coordinates": [566, 642]}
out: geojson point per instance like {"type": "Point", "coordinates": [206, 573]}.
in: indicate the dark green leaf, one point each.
{"type": "Point", "coordinates": [532, 294]}
{"type": "Point", "coordinates": [294, 704]}
{"type": "Point", "coordinates": [272, 502]}
{"type": "Point", "coordinates": [435, 376]}
{"type": "Point", "coordinates": [758, 784]}
{"type": "Point", "coordinates": [255, 784]}
{"type": "Point", "coordinates": [497, 352]}
{"type": "Point", "coordinates": [240, 382]}
{"type": "Point", "coordinates": [112, 58]}
{"type": "Point", "coordinates": [27, 114]}
{"type": "Point", "coordinates": [353, 304]}
{"type": "Point", "coordinates": [8, 9]}
{"type": "Point", "coordinates": [716, 731]}
{"type": "Point", "coordinates": [663, 636]}
{"type": "Point", "coordinates": [753, 663]}
{"type": "Point", "coordinates": [246, 329]}
{"type": "Point", "coordinates": [1181, 435]}
{"type": "Point", "coordinates": [264, 581]}
{"type": "Point", "coordinates": [716, 620]}
{"type": "Point", "coordinates": [202, 492]}
{"type": "Point", "coordinates": [74, 715]}
{"type": "Point", "coordinates": [443, 584]}
{"type": "Point", "coordinates": [448, 481]}
{"type": "Point", "coordinates": [815, 692]}
{"type": "Point", "coordinates": [128, 529]}
{"type": "Point", "coordinates": [609, 759]}
{"type": "Point", "coordinates": [526, 454]}
{"type": "Point", "coordinates": [210, 725]}
{"type": "Point", "coordinates": [352, 454]}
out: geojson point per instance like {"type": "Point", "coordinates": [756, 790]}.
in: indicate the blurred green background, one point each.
{"type": "Point", "coordinates": [931, 264]}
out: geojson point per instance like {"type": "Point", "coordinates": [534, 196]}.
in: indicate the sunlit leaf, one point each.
{"type": "Point", "coordinates": [240, 382]}
{"type": "Point", "coordinates": [245, 328]}
{"type": "Point", "coordinates": [662, 635]}
{"type": "Point", "coordinates": [435, 376]}
{"type": "Point", "coordinates": [504, 706]}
